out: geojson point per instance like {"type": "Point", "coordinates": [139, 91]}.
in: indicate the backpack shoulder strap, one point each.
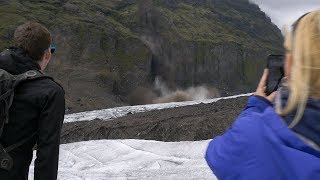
{"type": "Point", "coordinates": [29, 75]}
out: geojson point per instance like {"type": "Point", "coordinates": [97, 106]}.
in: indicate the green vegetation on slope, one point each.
{"type": "Point", "coordinates": [113, 42]}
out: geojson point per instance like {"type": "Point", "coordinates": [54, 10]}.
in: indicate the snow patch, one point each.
{"type": "Point", "coordinates": [132, 159]}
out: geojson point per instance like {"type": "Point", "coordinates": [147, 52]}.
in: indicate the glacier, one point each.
{"type": "Point", "coordinates": [130, 158]}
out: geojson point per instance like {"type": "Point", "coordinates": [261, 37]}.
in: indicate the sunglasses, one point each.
{"type": "Point", "coordinates": [52, 48]}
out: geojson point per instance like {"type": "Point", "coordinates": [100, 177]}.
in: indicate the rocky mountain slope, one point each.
{"type": "Point", "coordinates": [109, 48]}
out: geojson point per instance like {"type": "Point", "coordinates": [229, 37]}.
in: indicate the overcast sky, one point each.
{"type": "Point", "coordinates": [285, 12]}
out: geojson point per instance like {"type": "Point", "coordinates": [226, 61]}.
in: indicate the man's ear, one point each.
{"type": "Point", "coordinates": [47, 55]}
{"type": "Point", "coordinates": [44, 60]}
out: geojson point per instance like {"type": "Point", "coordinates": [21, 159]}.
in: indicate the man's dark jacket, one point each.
{"type": "Point", "coordinates": [38, 106]}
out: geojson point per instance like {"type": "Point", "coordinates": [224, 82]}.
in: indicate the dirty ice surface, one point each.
{"type": "Point", "coordinates": [108, 114]}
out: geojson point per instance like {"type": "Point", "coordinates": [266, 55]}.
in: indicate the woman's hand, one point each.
{"type": "Point", "coordinates": [262, 87]}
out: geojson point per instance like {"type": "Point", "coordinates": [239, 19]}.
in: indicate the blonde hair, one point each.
{"type": "Point", "coordinates": [304, 82]}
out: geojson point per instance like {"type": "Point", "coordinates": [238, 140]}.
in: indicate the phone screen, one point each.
{"type": "Point", "coordinates": [275, 65]}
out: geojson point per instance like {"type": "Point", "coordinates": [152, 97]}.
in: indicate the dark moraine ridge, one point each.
{"type": "Point", "coordinates": [190, 123]}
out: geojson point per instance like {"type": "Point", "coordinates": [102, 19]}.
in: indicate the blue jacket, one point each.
{"type": "Point", "coordinates": [260, 146]}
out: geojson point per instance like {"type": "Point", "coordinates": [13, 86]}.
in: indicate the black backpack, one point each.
{"type": "Point", "coordinates": [8, 83]}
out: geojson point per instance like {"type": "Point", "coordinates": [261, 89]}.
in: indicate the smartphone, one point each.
{"type": "Point", "coordinates": [275, 65]}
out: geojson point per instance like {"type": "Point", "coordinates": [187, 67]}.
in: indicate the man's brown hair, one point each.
{"type": "Point", "coordinates": [33, 38]}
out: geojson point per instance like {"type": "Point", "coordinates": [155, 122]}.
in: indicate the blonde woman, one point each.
{"type": "Point", "coordinates": [280, 142]}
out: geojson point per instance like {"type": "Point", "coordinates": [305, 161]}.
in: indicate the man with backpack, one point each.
{"type": "Point", "coordinates": [32, 106]}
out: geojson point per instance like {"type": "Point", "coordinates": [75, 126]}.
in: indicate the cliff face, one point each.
{"type": "Point", "coordinates": [222, 43]}
{"type": "Point", "coordinates": [107, 49]}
